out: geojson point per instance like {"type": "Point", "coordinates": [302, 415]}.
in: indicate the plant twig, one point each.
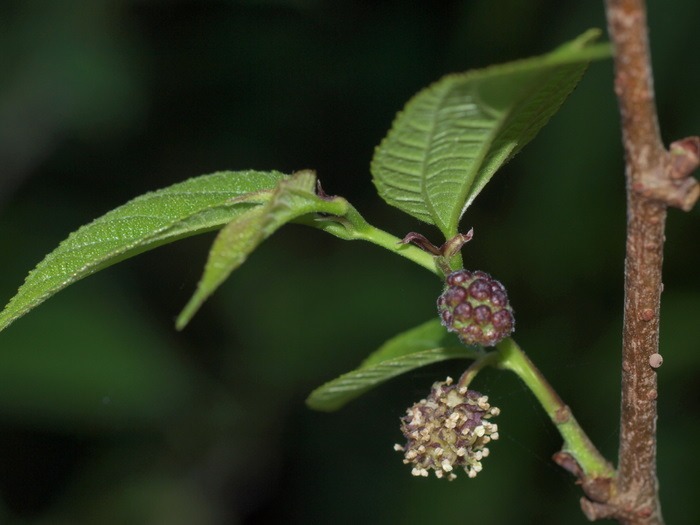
{"type": "Point", "coordinates": [578, 455]}
{"type": "Point", "coordinates": [656, 179]}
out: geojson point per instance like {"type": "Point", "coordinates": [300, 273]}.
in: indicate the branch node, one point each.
{"type": "Point", "coordinates": [598, 490]}
{"type": "Point", "coordinates": [595, 511]}
{"type": "Point", "coordinates": [568, 463]}
{"type": "Point", "coordinates": [685, 157]}
{"type": "Point", "coordinates": [672, 184]}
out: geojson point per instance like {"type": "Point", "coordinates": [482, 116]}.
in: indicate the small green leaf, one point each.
{"type": "Point", "coordinates": [194, 206]}
{"type": "Point", "coordinates": [451, 137]}
{"type": "Point", "coordinates": [423, 345]}
{"type": "Point", "coordinates": [293, 198]}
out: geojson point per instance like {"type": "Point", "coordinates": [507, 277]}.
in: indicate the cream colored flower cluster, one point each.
{"type": "Point", "coordinates": [448, 430]}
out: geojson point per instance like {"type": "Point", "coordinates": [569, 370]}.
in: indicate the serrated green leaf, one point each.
{"type": "Point", "coordinates": [451, 137]}
{"type": "Point", "coordinates": [423, 345]}
{"type": "Point", "coordinates": [293, 198]}
{"type": "Point", "coordinates": [187, 208]}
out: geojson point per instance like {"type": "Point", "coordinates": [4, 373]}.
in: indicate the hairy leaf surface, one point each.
{"type": "Point", "coordinates": [187, 208]}
{"type": "Point", "coordinates": [423, 345]}
{"type": "Point", "coordinates": [451, 137]}
{"type": "Point", "coordinates": [293, 198]}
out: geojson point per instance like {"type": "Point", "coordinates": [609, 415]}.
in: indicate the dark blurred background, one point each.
{"type": "Point", "coordinates": [109, 416]}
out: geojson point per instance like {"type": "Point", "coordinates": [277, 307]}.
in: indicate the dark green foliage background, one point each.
{"type": "Point", "coordinates": [109, 416]}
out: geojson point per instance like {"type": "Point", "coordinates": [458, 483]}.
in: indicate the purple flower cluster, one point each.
{"type": "Point", "coordinates": [475, 306]}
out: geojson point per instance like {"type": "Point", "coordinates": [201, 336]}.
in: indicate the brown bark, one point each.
{"type": "Point", "coordinates": [656, 179]}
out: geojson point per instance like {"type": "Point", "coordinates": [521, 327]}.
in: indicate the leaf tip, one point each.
{"type": "Point", "coordinates": [187, 313]}
{"type": "Point", "coordinates": [589, 36]}
{"type": "Point", "coordinates": [317, 403]}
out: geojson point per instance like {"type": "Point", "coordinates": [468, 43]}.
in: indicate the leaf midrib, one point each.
{"type": "Point", "coordinates": [424, 166]}
{"type": "Point", "coordinates": [499, 119]}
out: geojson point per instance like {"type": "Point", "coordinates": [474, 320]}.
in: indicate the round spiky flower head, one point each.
{"type": "Point", "coordinates": [475, 306]}
{"type": "Point", "coordinates": [448, 430]}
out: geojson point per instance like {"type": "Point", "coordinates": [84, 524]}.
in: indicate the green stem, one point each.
{"type": "Point", "coordinates": [365, 231]}
{"type": "Point", "coordinates": [352, 226]}
{"type": "Point", "coordinates": [479, 363]}
{"type": "Point", "coordinates": [393, 244]}
{"type": "Point", "coordinates": [576, 442]}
